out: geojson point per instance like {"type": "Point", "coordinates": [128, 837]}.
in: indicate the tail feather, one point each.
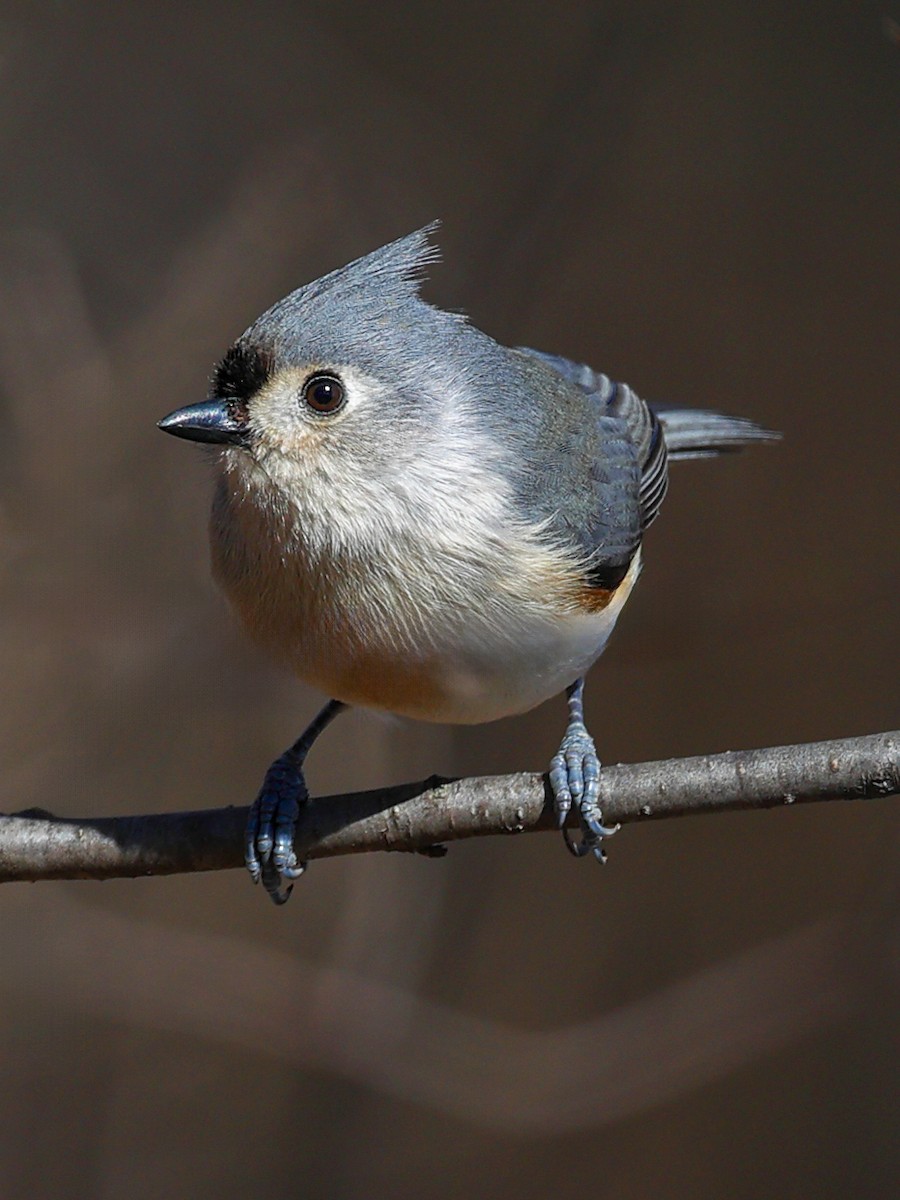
{"type": "Point", "coordinates": [698, 433]}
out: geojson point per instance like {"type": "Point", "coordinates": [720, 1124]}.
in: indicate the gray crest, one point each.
{"type": "Point", "coordinates": [339, 313]}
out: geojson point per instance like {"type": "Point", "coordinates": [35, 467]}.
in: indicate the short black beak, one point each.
{"type": "Point", "coordinates": [210, 421]}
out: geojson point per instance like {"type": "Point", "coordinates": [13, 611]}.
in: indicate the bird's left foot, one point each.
{"type": "Point", "coordinates": [575, 780]}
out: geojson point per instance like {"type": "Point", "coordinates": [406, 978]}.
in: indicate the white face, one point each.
{"type": "Point", "coordinates": [338, 445]}
{"type": "Point", "coordinates": [302, 411]}
{"type": "Point", "coordinates": [359, 462]}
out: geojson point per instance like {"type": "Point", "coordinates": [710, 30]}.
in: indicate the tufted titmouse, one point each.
{"type": "Point", "coordinates": [415, 518]}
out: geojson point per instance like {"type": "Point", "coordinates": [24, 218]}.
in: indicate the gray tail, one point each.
{"type": "Point", "coordinates": [696, 433]}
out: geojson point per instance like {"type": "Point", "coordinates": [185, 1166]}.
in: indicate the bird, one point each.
{"type": "Point", "coordinates": [416, 519]}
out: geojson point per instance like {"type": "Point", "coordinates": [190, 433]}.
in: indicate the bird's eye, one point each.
{"type": "Point", "coordinates": [323, 393]}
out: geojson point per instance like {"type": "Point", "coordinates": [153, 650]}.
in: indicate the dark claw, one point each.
{"type": "Point", "coordinates": [272, 883]}
{"type": "Point", "coordinates": [595, 829]}
{"type": "Point", "coordinates": [579, 849]}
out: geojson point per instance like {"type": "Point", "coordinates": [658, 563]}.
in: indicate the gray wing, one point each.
{"type": "Point", "coordinates": [612, 519]}
{"type": "Point", "coordinates": [642, 426]}
{"type": "Point", "coordinates": [630, 470]}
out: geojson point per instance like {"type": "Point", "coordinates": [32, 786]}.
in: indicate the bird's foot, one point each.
{"type": "Point", "coordinates": [269, 838]}
{"type": "Point", "coordinates": [575, 779]}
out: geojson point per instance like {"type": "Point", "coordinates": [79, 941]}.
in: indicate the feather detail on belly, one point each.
{"type": "Point", "coordinates": [417, 625]}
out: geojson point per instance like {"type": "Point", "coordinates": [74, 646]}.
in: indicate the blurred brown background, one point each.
{"type": "Point", "coordinates": [700, 199]}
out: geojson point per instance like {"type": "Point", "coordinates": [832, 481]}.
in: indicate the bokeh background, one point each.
{"type": "Point", "coordinates": [701, 199]}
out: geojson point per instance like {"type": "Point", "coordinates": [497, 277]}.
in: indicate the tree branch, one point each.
{"type": "Point", "coordinates": [417, 816]}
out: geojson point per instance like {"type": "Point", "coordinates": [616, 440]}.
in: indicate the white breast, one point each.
{"type": "Point", "coordinates": [430, 602]}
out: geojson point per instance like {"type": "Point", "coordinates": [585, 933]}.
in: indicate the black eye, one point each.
{"type": "Point", "coordinates": [323, 393]}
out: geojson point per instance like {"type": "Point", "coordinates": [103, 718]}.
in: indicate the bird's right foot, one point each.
{"type": "Point", "coordinates": [269, 839]}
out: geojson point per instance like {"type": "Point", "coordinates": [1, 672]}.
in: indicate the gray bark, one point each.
{"type": "Point", "coordinates": [419, 816]}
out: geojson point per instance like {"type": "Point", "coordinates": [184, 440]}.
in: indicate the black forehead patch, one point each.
{"type": "Point", "coordinates": [241, 373]}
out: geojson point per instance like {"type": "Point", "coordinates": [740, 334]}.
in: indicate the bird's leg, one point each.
{"type": "Point", "coordinates": [575, 779]}
{"type": "Point", "coordinates": [269, 839]}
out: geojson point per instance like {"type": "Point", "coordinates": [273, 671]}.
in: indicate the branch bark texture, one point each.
{"type": "Point", "coordinates": [36, 845]}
